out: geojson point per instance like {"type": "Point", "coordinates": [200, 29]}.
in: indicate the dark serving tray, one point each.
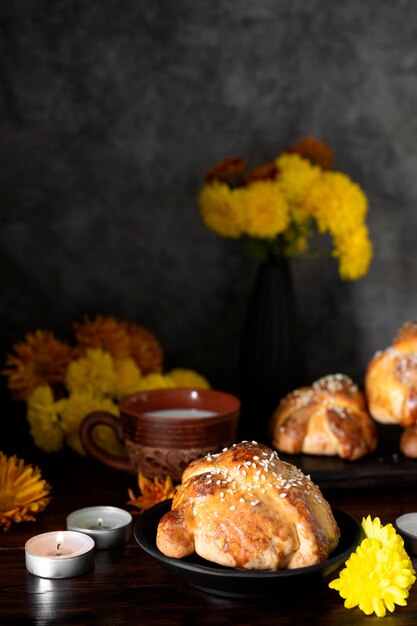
{"type": "Point", "coordinates": [387, 466]}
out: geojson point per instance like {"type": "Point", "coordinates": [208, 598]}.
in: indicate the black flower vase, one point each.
{"type": "Point", "coordinates": [271, 360]}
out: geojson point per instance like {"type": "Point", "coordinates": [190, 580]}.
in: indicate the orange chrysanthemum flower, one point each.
{"type": "Point", "coordinates": [226, 170]}
{"type": "Point", "coordinates": [122, 340]}
{"type": "Point", "coordinates": [315, 151]}
{"type": "Point", "coordinates": [145, 349]}
{"type": "Point", "coordinates": [23, 492]}
{"type": "Point", "coordinates": [40, 360]}
{"type": "Point", "coordinates": [267, 171]}
{"type": "Point", "coordinates": [106, 333]}
{"type": "Point", "coordinates": [152, 492]}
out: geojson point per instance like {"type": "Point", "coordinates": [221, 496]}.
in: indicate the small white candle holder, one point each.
{"type": "Point", "coordinates": [60, 554]}
{"type": "Point", "coordinates": [406, 525]}
{"type": "Point", "coordinates": [107, 525]}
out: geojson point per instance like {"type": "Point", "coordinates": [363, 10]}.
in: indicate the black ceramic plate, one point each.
{"type": "Point", "coordinates": [232, 582]}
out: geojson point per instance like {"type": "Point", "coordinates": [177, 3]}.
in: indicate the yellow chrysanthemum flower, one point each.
{"type": "Point", "coordinates": [43, 417]}
{"type": "Point", "coordinates": [264, 209]}
{"type": "Point", "coordinates": [156, 381]}
{"type": "Point", "coordinates": [93, 372]}
{"type": "Point", "coordinates": [354, 252]}
{"type": "Point", "coordinates": [73, 410]}
{"type": "Point", "coordinates": [39, 360]}
{"type": "Point", "coordinates": [23, 492]}
{"type": "Point", "coordinates": [296, 176]}
{"type": "Point", "coordinates": [375, 530]}
{"type": "Point", "coordinates": [188, 378]}
{"type": "Point", "coordinates": [219, 210]}
{"type": "Point", "coordinates": [379, 574]}
{"type": "Point", "coordinates": [337, 204]}
{"type": "Point", "coordinates": [385, 534]}
{"type": "Point", "coordinates": [128, 377]}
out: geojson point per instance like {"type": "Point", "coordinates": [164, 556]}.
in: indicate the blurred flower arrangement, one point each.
{"type": "Point", "coordinates": [278, 207]}
{"type": "Point", "coordinates": [62, 383]}
{"type": "Point", "coordinates": [23, 492]}
{"type": "Point", "coordinates": [379, 574]}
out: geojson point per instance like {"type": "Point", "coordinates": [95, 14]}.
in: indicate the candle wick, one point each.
{"type": "Point", "coordinates": [99, 522]}
{"type": "Point", "coordinates": [58, 545]}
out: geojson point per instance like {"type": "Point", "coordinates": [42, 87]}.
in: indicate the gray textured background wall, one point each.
{"type": "Point", "coordinates": [111, 112]}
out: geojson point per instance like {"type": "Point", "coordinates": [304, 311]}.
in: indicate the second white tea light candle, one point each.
{"type": "Point", "coordinates": [109, 526]}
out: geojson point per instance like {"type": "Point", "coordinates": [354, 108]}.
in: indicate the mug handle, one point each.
{"type": "Point", "coordinates": [87, 427]}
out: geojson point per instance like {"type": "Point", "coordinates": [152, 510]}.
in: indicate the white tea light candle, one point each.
{"type": "Point", "coordinates": [406, 525]}
{"type": "Point", "coordinates": [109, 526]}
{"type": "Point", "coordinates": [59, 554]}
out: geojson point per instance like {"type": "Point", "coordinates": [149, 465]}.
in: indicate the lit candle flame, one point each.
{"type": "Point", "coordinates": [59, 541]}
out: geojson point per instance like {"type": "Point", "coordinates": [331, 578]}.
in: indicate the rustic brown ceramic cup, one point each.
{"type": "Point", "coordinates": [165, 429]}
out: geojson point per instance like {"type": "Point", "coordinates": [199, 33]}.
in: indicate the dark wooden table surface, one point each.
{"type": "Point", "coordinates": [127, 586]}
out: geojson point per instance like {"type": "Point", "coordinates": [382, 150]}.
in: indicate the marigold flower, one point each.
{"type": "Point", "coordinates": [128, 377]}
{"type": "Point", "coordinates": [188, 378]}
{"type": "Point", "coordinates": [318, 152]}
{"type": "Point", "coordinates": [43, 416]}
{"type": "Point", "coordinates": [264, 209]}
{"type": "Point", "coordinates": [122, 340]}
{"type": "Point", "coordinates": [106, 333]}
{"type": "Point", "coordinates": [73, 410]}
{"type": "Point", "coordinates": [156, 381]}
{"type": "Point", "coordinates": [296, 176]}
{"type": "Point", "coordinates": [40, 359]}
{"type": "Point", "coordinates": [379, 574]}
{"type": "Point", "coordinates": [219, 210]}
{"type": "Point", "coordinates": [93, 372]}
{"type": "Point", "coordinates": [227, 170]}
{"type": "Point", "coordinates": [354, 252]}
{"type": "Point", "coordinates": [337, 204]}
{"type": "Point", "coordinates": [145, 349]}
{"type": "Point", "coordinates": [267, 171]}
{"type": "Point", "coordinates": [152, 492]}
{"type": "Point", "coordinates": [23, 492]}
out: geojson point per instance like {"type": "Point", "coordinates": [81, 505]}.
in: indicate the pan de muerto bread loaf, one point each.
{"type": "Point", "coordinates": [328, 418]}
{"type": "Point", "coordinates": [246, 508]}
{"type": "Point", "coordinates": [391, 380]}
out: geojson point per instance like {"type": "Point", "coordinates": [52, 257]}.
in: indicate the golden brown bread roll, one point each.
{"type": "Point", "coordinates": [408, 441]}
{"type": "Point", "coordinates": [328, 418]}
{"type": "Point", "coordinates": [246, 508]}
{"type": "Point", "coordinates": [391, 380]}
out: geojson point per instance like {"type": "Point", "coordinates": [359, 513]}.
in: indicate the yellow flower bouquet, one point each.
{"type": "Point", "coordinates": [62, 383]}
{"type": "Point", "coordinates": [278, 207]}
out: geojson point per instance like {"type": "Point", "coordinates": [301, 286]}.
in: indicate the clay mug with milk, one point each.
{"type": "Point", "coordinates": [165, 429]}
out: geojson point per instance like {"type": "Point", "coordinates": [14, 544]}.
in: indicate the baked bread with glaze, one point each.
{"type": "Point", "coordinates": [246, 508]}
{"type": "Point", "coordinates": [327, 418]}
{"type": "Point", "coordinates": [408, 441]}
{"type": "Point", "coordinates": [391, 380]}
